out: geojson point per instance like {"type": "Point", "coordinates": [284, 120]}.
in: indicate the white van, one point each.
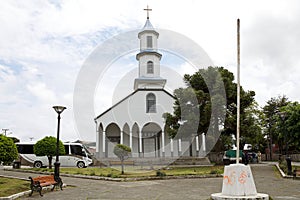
{"type": "Point", "coordinates": [76, 155]}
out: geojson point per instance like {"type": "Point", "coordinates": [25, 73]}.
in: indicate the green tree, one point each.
{"type": "Point", "coordinates": [123, 152]}
{"type": "Point", "coordinates": [47, 147]}
{"type": "Point", "coordinates": [289, 125]}
{"type": "Point", "coordinates": [207, 84]}
{"type": "Point", "coordinates": [271, 119]}
{"type": "Point", "coordinates": [8, 150]}
{"type": "Point", "coordinates": [252, 129]}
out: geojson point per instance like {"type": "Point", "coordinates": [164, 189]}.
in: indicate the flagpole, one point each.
{"type": "Point", "coordinates": [238, 95]}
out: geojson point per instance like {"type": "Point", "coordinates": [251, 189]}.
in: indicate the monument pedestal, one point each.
{"type": "Point", "coordinates": [238, 183]}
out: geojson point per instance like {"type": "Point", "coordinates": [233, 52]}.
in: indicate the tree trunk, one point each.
{"type": "Point", "coordinates": [50, 162]}
{"type": "Point", "coordinates": [122, 163]}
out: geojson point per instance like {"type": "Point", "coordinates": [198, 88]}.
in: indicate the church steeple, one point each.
{"type": "Point", "coordinates": [149, 58]}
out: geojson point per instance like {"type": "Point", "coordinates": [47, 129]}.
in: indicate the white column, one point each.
{"type": "Point", "coordinates": [140, 141]}
{"type": "Point", "coordinates": [171, 142]}
{"type": "Point", "coordinates": [130, 140]}
{"type": "Point", "coordinates": [103, 141]}
{"type": "Point", "coordinates": [203, 142]}
{"type": "Point", "coordinates": [163, 141]}
{"type": "Point", "coordinates": [97, 138]}
{"type": "Point", "coordinates": [197, 143]}
{"type": "Point", "coordinates": [121, 137]}
{"type": "Point", "coordinates": [179, 144]}
{"type": "Point", "coordinates": [97, 141]}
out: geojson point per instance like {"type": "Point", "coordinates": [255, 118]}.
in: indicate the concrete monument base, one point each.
{"type": "Point", "coordinates": [220, 196]}
{"type": "Point", "coordinates": [238, 183]}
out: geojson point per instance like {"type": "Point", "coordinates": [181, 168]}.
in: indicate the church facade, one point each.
{"type": "Point", "coordinates": [137, 120]}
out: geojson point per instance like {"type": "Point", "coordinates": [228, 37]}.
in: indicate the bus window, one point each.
{"type": "Point", "coordinates": [67, 149]}
{"type": "Point", "coordinates": [77, 150]}
{"type": "Point", "coordinates": [25, 148]}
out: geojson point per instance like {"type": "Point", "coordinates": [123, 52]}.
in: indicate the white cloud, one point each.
{"type": "Point", "coordinates": [40, 91]}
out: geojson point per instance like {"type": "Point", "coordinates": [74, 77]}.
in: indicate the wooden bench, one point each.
{"type": "Point", "coordinates": [37, 183]}
{"type": "Point", "coordinates": [296, 173]}
{"type": "Point", "coordinates": [125, 162]}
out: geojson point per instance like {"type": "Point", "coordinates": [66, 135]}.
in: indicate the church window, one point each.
{"type": "Point", "coordinates": [151, 103]}
{"type": "Point", "coordinates": [150, 69]}
{"type": "Point", "coordinates": [149, 42]}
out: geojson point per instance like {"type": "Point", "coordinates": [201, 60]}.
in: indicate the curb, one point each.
{"type": "Point", "coordinates": [283, 175]}
{"type": "Point", "coordinates": [15, 196]}
{"type": "Point", "coordinates": [121, 179]}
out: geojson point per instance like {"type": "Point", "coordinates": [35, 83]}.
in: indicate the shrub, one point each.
{"type": "Point", "coordinates": [8, 150]}
{"type": "Point", "coordinates": [160, 173]}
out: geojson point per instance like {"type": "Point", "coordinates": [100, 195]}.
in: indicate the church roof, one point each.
{"type": "Point", "coordinates": [148, 28]}
{"type": "Point", "coordinates": [129, 97]}
{"type": "Point", "coordinates": [148, 25]}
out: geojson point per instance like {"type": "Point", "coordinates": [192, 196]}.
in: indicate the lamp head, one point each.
{"type": "Point", "coordinates": [59, 109]}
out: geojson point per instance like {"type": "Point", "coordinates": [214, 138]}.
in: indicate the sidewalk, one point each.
{"type": "Point", "coordinates": [266, 178]}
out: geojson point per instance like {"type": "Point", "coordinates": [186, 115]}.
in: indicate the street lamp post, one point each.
{"type": "Point", "coordinates": [59, 110]}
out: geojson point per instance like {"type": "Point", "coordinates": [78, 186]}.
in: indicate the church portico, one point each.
{"type": "Point", "coordinates": [145, 141]}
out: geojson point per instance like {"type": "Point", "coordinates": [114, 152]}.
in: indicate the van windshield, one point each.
{"type": "Point", "coordinates": [86, 150]}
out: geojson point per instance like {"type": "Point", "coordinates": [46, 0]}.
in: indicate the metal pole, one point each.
{"type": "Point", "coordinates": [5, 130]}
{"type": "Point", "coordinates": [238, 95]}
{"type": "Point", "coordinates": [57, 164]}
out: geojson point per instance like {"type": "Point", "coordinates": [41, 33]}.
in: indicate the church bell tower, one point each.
{"type": "Point", "coordinates": [149, 59]}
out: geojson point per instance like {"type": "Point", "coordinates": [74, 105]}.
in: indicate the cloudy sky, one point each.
{"type": "Point", "coordinates": [45, 43]}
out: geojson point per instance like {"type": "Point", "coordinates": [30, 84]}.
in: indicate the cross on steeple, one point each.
{"type": "Point", "coordinates": [148, 9]}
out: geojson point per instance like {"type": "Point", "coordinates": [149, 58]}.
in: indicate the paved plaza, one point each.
{"type": "Point", "coordinates": [267, 180]}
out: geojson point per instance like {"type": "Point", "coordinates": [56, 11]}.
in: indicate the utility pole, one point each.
{"type": "Point", "coordinates": [5, 130]}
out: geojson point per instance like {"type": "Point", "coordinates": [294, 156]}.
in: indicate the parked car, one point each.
{"type": "Point", "coordinates": [230, 157]}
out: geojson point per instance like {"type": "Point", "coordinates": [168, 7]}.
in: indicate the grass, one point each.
{"type": "Point", "coordinates": [135, 172]}
{"type": "Point", "coordinates": [10, 186]}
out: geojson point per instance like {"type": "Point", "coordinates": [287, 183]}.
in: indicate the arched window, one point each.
{"type": "Point", "coordinates": [151, 103]}
{"type": "Point", "coordinates": [150, 69]}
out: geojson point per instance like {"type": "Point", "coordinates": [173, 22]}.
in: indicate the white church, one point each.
{"type": "Point", "coordinates": [137, 120]}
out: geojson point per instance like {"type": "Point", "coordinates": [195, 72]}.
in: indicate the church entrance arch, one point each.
{"type": "Point", "coordinates": [151, 140]}
{"type": "Point", "coordinates": [113, 137]}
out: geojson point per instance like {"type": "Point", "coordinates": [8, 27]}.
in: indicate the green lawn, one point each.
{"type": "Point", "coordinates": [135, 171]}
{"type": "Point", "coordinates": [10, 186]}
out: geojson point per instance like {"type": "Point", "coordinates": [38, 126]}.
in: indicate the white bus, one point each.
{"type": "Point", "coordinates": [76, 155]}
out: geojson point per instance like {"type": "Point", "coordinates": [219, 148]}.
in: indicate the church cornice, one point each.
{"type": "Point", "coordinates": [148, 31]}
{"type": "Point", "coordinates": [148, 52]}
